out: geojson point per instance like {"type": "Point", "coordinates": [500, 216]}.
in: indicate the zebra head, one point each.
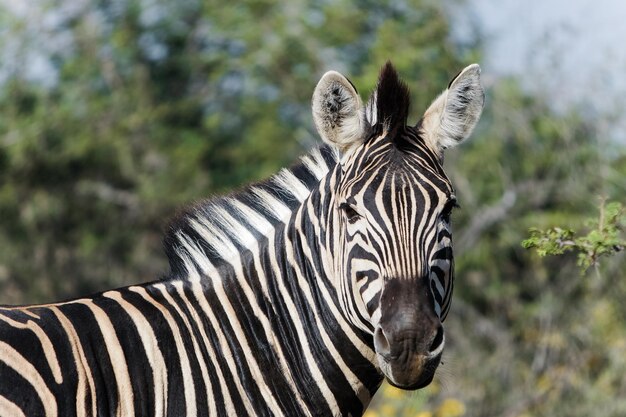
{"type": "Point", "coordinates": [390, 213]}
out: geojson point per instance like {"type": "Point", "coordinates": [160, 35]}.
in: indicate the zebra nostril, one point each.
{"type": "Point", "coordinates": [381, 344]}
{"type": "Point", "coordinates": [437, 341]}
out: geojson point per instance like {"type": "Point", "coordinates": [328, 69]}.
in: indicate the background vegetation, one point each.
{"type": "Point", "coordinates": [146, 105]}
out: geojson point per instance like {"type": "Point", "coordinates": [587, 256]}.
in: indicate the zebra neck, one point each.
{"type": "Point", "coordinates": [278, 302]}
{"type": "Point", "coordinates": [338, 345]}
{"type": "Point", "coordinates": [216, 228]}
{"type": "Point", "coordinates": [260, 259]}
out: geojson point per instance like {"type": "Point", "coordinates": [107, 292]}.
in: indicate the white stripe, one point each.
{"type": "Point", "coordinates": [151, 347]}
{"type": "Point", "coordinates": [353, 380]}
{"type": "Point", "coordinates": [373, 289]}
{"type": "Point", "coordinates": [218, 287]}
{"type": "Point", "coordinates": [188, 385]}
{"type": "Point", "coordinates": [194, 253]}
{"type": "Point", "coordinates": [214, 236]}
{"type": "Point", "coordinates": [225, 349]}
{"type": "Point", "coordinates": [248, 291]}
{"type": "Point", "coordinates": [302, 338]}
{"type": "Point", "coordinates": [440, 289]}
{"type": "Point", "coordinates": [437, 309]}
{"type": "Point", "coordinates": [315, 163]}
{"type": "Point", "coordinates": [117, 358]}
{"type": "Point", "coordinates": [272, 204]}
{"type": "Point", "coordinates": [82, 368]}
{"type": "Point", "coordinates": [30, 313]}
{"type": "Point", "coordinates": [198, 353]}
{"type": "Point", "coordinates": [9, 409]}
{"type": "Point", "coordinates": [287, 181]}
{"type": "Point", "coordinates": [228, 402]}
{"type": "Point", "coordinates": [13, 359]}
{"type": "Point", "coordinates": [365, 350]}
{"type": "Point", "coordinates": [236, 230]}
{"type": "Point", "coordinates": [210, 271]}
{"type": "Point", "coordinates": [46, 345]}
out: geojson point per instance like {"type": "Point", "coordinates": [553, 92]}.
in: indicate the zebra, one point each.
{"type": "Point", "coordinates": [297, 295]}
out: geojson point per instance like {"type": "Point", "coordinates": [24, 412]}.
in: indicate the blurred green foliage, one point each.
{"type": "Point", "coordinates": [602, 240]}
{"type": "Point", "coordinates": [148, 105]}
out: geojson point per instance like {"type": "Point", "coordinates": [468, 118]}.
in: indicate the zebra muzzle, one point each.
{"type": "Point", "coordinates": [403, 365]}
{"type": "Point", "coordinates": [409, 338]}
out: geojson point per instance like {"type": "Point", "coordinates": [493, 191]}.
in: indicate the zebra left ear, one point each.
{"type": "Point", "coordinates": [337, 111]}
{"type": "Point", "coordinates": [451, 118]}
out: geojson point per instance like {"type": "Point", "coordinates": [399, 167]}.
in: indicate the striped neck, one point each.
{"type": "Point", "coordinates": [268, 249]}
{"type": "Point", "coordinates": [214, 230]}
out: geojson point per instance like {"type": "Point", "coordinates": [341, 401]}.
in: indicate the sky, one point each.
{"type": "Point", "coordinates": [572, 51]}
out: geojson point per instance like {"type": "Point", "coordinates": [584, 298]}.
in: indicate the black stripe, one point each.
{"type": "Point", "coordinates": [17, 390]}
{"type": "Point", "coordinates": [443, 253]}
{"type": "Point", "coordinates": [165, 338]}
{"type": "Point", "coordinates": [94, 347]}
{"type": "Point", "coordinates": [243, 374]}
{"type": "Point", "coordinates": [433, 286]}
{"type": "Point", "coordinates": [139, 370]}
{"type": "Point", "coordinates": [65, 392]}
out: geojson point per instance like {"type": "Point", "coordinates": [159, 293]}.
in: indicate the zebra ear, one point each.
{"type": "Point", "coordinates": [451, 118]}
{"type": "Point", "coordinates": [337, 111]}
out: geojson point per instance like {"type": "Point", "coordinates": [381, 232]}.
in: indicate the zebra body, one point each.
{"type": "Point", "coordinates": [294, 296]}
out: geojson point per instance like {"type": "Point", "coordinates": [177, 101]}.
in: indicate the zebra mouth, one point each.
{"type": "Point", "coordinates": [408, 369]}
{"type": "Point", "coordinates": [409, 374]}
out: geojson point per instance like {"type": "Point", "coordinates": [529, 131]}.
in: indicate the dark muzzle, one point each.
{"type": "Point", "coordinates": [409, 339]}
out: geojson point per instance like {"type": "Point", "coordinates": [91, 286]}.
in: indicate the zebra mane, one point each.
{"type": "Point", "coordinates": [214, 229]}
{"type": "Point", "coordinates": [387, 109]}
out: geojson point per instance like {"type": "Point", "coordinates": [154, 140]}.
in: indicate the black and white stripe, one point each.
{"type": "Point", "coordinates": [278, 298]}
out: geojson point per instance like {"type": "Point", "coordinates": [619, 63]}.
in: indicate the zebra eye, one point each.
{"type": "Point", "coordinates": [350, 212]}
{"type": "Point", "coordinates": [447, 210]}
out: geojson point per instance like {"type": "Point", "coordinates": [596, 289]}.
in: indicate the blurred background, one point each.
{"type": "Point", "coordinates": [113, 114]}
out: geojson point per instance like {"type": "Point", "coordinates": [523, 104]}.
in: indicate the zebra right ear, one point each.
{"type": "Point", "coordinates": [337, 112]}
{"type": "Point", "coordinates": [451, 118]}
